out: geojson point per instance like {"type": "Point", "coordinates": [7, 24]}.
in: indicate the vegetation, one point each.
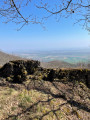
{"type": "Point", "coordinates": [36, 100]}
{"type": "Point", "coordinates": [47, 94]}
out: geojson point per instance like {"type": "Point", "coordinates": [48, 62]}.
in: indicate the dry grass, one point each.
{"type": "Point", "coordinates": [43, 100]}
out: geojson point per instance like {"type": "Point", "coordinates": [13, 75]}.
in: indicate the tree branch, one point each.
{"type": "Point", "coordinates": [56, 11]}
{"type": "Point", "coordinates": [19, 11]}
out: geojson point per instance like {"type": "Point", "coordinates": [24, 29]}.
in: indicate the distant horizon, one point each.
{"type": "Point", "coordinates": [73, 55]}
{"type": "Point", "coordinates": [43, 50]}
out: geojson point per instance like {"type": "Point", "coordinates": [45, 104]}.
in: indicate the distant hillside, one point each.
{"type": "Point", "coordinates": [57, 64]}
{"type": "Point", "coordinates": [4, 58]}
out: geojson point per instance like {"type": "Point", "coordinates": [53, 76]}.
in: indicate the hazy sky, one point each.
{"type": "Point", "coordinates": [58, 35]}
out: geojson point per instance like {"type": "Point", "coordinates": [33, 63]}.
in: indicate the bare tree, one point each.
{"type": "Point", "coordinates": [22, 12]}
{"type": "Point", "coordinates": [17, 11]}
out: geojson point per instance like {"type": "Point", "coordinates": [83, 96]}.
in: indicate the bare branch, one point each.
{"type": "Point", "coordinates": [18, 11]}
{"type": "Point", "coordinates": [65, 8]}
{"type": "Point", "coordinates": [14, 11]}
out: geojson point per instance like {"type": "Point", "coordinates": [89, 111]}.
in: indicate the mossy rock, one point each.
{"type": "Point", "coordinates": [19, 69]}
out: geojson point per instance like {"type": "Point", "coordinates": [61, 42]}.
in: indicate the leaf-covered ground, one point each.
{"type": "Point", "coordinates": [44, 100]}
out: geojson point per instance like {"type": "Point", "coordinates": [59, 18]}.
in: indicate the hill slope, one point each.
{"type": "Point", "coordinates": [57, 64]}
{"type": "Point", "coordinates": [4, 58]}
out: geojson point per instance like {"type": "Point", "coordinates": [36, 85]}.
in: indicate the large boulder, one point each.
{"type": "Point", "coordinates": [19, 69]}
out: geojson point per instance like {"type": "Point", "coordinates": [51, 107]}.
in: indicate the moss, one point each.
{"type": "Point", "coordinates": [78, 115]}
{"type": "Point", "coordinates": [9, 79]}
{"type": "Point", "coordinates": [24, 72]}
{"type": "Point", "coordinates": [67, 110]}
{"type": "Point", "coordinates": [13, 108]}
{"type": "Point", "coordinates": [1, 107]}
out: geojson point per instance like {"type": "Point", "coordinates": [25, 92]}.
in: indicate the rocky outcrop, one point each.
{"type": "Point", "coordinates": [19, 69]}
{"type": "Point", "coordinates": [69, 75]}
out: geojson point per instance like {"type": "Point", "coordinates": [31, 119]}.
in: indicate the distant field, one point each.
{"type": "Point", "coordinates": [51, 59]}
{"type": "Point", "coordinates": [70, 56]}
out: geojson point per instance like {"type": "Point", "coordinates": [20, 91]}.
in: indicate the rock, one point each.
{"type": "Point", "coordinates": [51, 75]}
{"type": "Point", "coordinates": [88, 80]}
{"type": "Point", "coordinates": [6, 70]}
{"type": "Point", "coordinates": [69, 75]}
{"type": "Point", "coordinates": [17, 72]}
{"type": "Point", "coordinates": [19, 69]}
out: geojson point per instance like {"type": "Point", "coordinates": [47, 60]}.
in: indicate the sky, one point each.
{"type": "Point", "coordinates": [57, 35]}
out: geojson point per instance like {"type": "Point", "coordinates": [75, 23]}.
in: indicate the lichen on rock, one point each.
{"type": "Point", "coordinates": [19, 69]}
